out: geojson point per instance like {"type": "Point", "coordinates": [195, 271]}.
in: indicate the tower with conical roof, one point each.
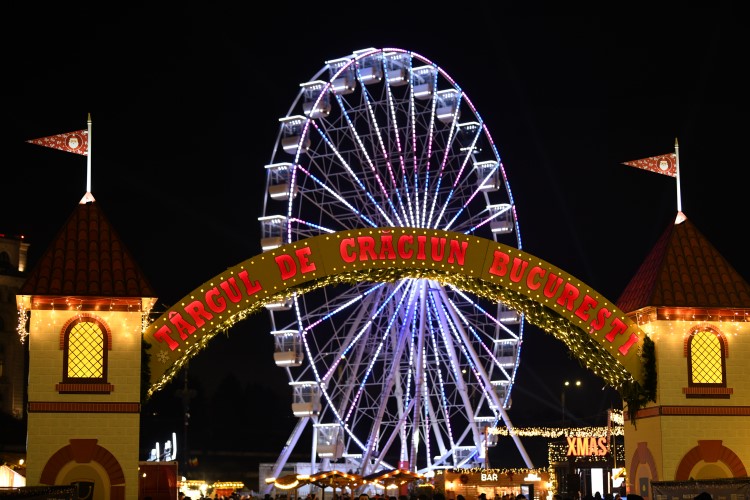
{"type": "Point", "coordinates": [696, 309]}
{"type": "Point", "coordinates": [85, 304]}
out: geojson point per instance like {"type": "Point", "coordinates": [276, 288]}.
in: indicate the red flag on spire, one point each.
{"type": "Point", "coordinates": [72, 142]}
{"type": "Point", "coordinates": [664, 164]}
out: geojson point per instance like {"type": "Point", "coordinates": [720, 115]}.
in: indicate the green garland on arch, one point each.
{"type": "Point", "coordinates": [589, 353]}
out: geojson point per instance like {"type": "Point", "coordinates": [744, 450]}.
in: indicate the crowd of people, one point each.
{"type": "Point", "coordinates": [440, 496]}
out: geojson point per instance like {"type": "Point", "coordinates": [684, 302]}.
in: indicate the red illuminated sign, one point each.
{"type": "Point", "coordinates": [449, 257]}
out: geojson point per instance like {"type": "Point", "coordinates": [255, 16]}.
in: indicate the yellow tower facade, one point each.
{"type": "Point", "coordinates": [696, 309]}
{"type": "Point", "coordinates": [86, 304]}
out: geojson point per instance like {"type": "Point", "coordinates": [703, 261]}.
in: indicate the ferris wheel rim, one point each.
{"type": "Point", "coordinates": [309, 124]}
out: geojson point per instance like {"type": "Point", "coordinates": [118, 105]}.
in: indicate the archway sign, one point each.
{"type": "Point", "coordinates": [601, 336]}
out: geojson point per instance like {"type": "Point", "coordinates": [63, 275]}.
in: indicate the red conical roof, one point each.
{"type": "Point", "coordinates": [685, 270]}
{"type": "Point", "coordinates": [87, 259]}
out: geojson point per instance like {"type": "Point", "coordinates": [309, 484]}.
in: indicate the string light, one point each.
{"type": "Point", "coordinates": [113, 311]}
{"type": "Point", "coordinates": [558, 432]}
{"type": "Point", "coordinates": [23, 318]}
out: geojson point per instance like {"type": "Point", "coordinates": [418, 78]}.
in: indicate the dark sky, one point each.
{"type": "Point", "coordinates": [185, 108]}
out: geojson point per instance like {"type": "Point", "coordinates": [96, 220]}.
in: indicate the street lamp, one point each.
{"type": "Point", "coordinates": [567, 384]}
{"type": "Point", "coordinates": [565, 486]}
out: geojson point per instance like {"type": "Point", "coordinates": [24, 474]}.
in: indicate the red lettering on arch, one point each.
{"type": "Point", "coordinates": [438, 248]}
{"type": "Point", "coordinates": [386, 247]}
{"type": "Point", "coordinates": [403, 252]}
{"type": "Point", "coordinates": [518, 270]}
{"type": "Point", "coordinates": [618, 328]}
{"type": "Point", "coordinates": [250, 288]}
{"type": "Point", "coordinates": [588, 303]}
{"type": "Point", "coordinates": [602, 315]}
{"type": "Point", "coordinates": [366, 248]}
{"type": "Point", "coordinates": [624, 348]}
{"type": "Point", "coordinates": [303, 255]}
{"type": "Point", "coordinates": [162, 335]}
{"type": "Point", "coordinates": [569, 295]}
{"type": "Point", "coordinates": [534, 279]}
{"type": "Point", "coordinates": [183, 327]}
{"type": "Point", "coordinates": [499, 265]}
{"type": "Point", "coordinates": [552, 285]}
{"type": "Point", "coordinates": [457, 252]}
{"type": "Point", "coordinates": [421, 255]}
{"type": "Point", "coordinates": [198, 312]}
{"type": "Point", "coordinates": [232, 290]}
{"type": "Point", "coordinates": [287, 266]}
{"type": "Point", "coordinates": [215, 301]}
{"type": "Point", "coordinates": [346, 254]}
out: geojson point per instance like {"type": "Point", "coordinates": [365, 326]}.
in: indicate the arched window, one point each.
{"type": "Point", "coordinates": [706, 351]}
{"type": "Point", "coordinates": [85, 352]}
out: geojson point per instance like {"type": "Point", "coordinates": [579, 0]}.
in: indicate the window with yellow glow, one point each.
{"type": "Point", "coordinates": [85, 352]}
{"type": "Point", "coordinates": [706, 355]}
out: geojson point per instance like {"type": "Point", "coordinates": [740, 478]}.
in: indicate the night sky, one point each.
{"type": "Point", "coordinates": [185, 108]}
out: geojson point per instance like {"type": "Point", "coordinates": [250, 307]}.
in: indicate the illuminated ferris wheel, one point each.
{"type": "Point", "coordinates": [409, 373]}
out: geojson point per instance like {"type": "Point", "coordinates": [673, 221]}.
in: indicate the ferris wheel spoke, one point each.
{"type": "Point", "coordinates": [462, 182]}
{"type": "Point", "coordinates": [492, 318]}
{"type": "Point", "coordinates": [370, 344]}
{"type": "Point", "coordinates": [448, 155]}
{"type": "Point", "coordinates": [477, 366]}
{"type": "Point", "coordinates": [339, 345]}
{"type": "Point", "coordinates": [380, 145]}
{"type": "Point", "coordinates": [390, 386]}
{"type": "Point", "coordinates": [481, 344]}
{"type": "Point", "coordinates": [399, 337]}
{"type": "Point", "coordinates": [451, 336]}
{"type": "Point", "coordinates": [425, 160]}
{"type": "Point", "coordinates": [440, 382]}
{"type": "Point", "coordinates": [372, 170]}
{"type": "Point", "coordinates": [340, 202]}
{"type": "Point", "coordinates": [355, 331]}
{"type": "Point", "coordinates": [397, 131]}
{"type": "Point", "coordinates": [356, 180]}
{"type": "Point", "coordinates": [491, 353]}
{"type": "Point", "coordinates": [327, 307]}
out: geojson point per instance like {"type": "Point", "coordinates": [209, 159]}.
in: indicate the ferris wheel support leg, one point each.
{"type": "Point", "coordinates": [463, 392]}
{"type": "Point", "coordinates": [419, 381]}
{"type": "Point", "coordinates": [498, 404]}
{"type": "Point", "coordinates": [284, 456]}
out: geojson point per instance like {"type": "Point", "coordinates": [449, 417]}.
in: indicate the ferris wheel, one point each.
{"type": "Point", "coordinates": [409, 374]}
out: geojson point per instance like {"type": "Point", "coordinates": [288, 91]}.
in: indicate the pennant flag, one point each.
{"type": "Point", "coordinates": [664, 164]}
{"type": "Point", "coordinates": [72, 142]}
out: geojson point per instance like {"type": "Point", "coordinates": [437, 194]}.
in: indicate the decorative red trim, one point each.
{"type": "Point", "coordinates": [81, 318]}
{"type": "Point", "coordinates": [702, 328]}
{"type": "Point", "coordinates": [710, 451]}
{"type": "Point", "coordinates": [64, 388]}
{"type": "Point", "coordinates": [93, 304]}
{"type": "Point", "coordinates": [642, 455]}
{"type": "Point", "coordinates": [707, 392]}
{"type": "Point", "coordinates": [699, 314]}
{"type": "Point", "coordinates": [100, 455]}
{"type": "Point", "coordinates": [707, 411]}
{"type": "Point", "coordinates": [80, 407]}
